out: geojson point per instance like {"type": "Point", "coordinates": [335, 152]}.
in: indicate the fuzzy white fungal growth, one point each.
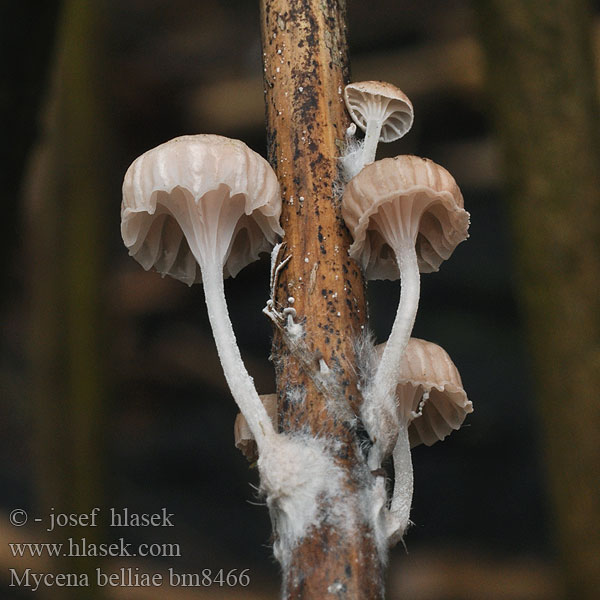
{"type": "Point", "coordinates": [323, 368]}
{"type": "Point", "coordinates": [300, 479]}
{"type": "Point", "coordinates": [380, 419]}
{"type": "Point", "coordinates": [375, 502]}
{"type": "Point", "coordinates": [379, 415]}
{"type": "Point", "coordinates": [294, 331]}
{"type": "Point", "coordinates": [351, 159]}
{"type": "Point", "coordinates": [297, 474]}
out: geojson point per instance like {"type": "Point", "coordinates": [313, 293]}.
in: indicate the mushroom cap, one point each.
{"type": "Point", "coordinates": [427, 368]}
{"type": "Point", "coordinates": [244, 440]}
{"type": "Point", "coordinates": [199, 196]}
{"type": "Point", "coordinates": [399, 197]}
{"type": "Point", "coordinates": [378, 99]}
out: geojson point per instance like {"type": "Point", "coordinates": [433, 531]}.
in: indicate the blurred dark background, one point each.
{"type": "Point", "coordinates": [111, 393]}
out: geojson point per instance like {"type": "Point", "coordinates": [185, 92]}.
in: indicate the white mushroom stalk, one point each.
{"type": "Point", "coordinates": [406, 259]}
{"type": "Point", "coordinates": [406, 216]}
{"type": "Point", "coordinates": [399, 511]}
{"type": "Point", "coordinates": [200, 208]}
{"type": "Point", "coordinates": [375, 116]}
{"type": "Point", "coordinates": [239, 381]}
{"type": "Point", "coordinates": [380, 393]}
{"type": "Point", "coordinates": [431, 403]}
{"type": "Point", "coordinates": [382, 111]}
{"type": "Point", "coordinates": [244, 439]}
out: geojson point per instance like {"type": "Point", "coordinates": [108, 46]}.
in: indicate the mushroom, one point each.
{"type": "Point", "coordinates": [406, 215]}
{"type": "Point", "coordinates": [199, 208]}
{"type": "Point", "coordinates": [430, 403]}
{"type": "Point", "coordinates": [382, 111]}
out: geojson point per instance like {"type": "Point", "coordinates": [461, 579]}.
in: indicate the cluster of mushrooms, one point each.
{"type": "Point", "coordinates": [201, 207]}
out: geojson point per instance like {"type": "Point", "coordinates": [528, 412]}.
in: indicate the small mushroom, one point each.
{"type": "Point", "coordinates": [431, 403]}
{"type": "Point", "coordinates": [199, 208]}
{"type": "Point", "coordinates": [381, 110]}
{"type": "Point", "coordinates": [406, 215]}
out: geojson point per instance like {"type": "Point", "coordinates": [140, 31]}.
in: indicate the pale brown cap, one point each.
{"type": "Point", "coordinates": [244, 440]}
{"type": "Point", "coordinates": [411, 196]}
{"type": "Point", "coordinates": [426, 368]}
{"type": "Point", "coordinates": [383, 100]}
{"type": "Point", "coordinates": [197, 195]}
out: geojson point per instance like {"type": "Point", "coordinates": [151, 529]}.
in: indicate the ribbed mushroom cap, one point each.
{"type": "Point", "coordinates": [426, 368]}
{"type": "Point", "coordinates": [199, 196]}
{"type": "Point", "coordinates": [378, 99]}
{"type": "Point", "coordinates": [244, 440]}
{"type": "Point", "coordinates": [403, 197]}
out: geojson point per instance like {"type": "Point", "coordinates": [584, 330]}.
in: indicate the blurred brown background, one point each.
{"type": "Point", "coordinates": [111, 393]}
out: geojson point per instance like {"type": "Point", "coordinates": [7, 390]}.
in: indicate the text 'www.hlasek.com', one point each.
{"type": "Point", "coordinates": [37, 563]}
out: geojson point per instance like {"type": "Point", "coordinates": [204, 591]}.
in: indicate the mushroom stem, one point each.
{"type": "Point", "coordinates": [403, 487]}
{"type": "Point", "coordinates": [240, 382]}
{"type": "Point", "coordinates": [372, 134]}
{"type": "Point", "coordinates": [386, 377]}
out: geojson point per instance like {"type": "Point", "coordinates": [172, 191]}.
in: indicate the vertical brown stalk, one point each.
{"type": "Point", "coordinates": [305, 69]}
